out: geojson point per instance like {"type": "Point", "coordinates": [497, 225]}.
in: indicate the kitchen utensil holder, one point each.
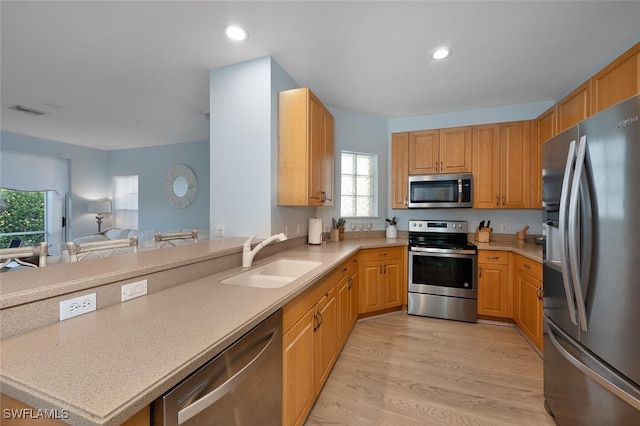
{"type": "Point", "coordinates": [334, 234]}
{"type": "Point", "coordinates": [483, 236]}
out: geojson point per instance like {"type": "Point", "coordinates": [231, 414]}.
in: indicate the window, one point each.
{"type": "Point", "coordinates": [125, 202]}
{"type": "Point", "coordinates": [359, 182]}
{"type": "Point", "coordinates": [22, 217]}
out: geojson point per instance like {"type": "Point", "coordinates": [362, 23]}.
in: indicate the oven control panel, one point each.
{"type": "Point", "coordinates": [449, 226]}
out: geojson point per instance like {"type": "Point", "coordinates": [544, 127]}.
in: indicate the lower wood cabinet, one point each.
{"type": "Point", "coordinates": [347, 290]}
{"type": "Point", "coordinates": [316, 324]}
{"type": "Point", "coordinates": [381, 278]}
{"type": "Point", "coordinates": [510, 287]}
{"type": "Point", "coordinates": [495, 295]}
{"type": "Point", "coordinates": [528, 286]}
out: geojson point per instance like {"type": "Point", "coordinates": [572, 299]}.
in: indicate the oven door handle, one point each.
{"type": "Point", "coordinates": [441, 251]}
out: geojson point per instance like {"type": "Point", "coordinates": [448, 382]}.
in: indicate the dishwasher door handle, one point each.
{"type": "Point", "coordinates": [218, 393]}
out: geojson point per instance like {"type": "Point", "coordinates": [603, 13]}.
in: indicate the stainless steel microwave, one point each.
{"type": "Point", "coordinates": [441, 191]}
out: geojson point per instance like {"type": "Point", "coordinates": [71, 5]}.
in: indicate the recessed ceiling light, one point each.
{"type": "Point", "coordinates": [441, 53]}
{"type": "Point", "coordinates": [235, 33]}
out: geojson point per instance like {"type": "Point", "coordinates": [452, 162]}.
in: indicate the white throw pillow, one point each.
{"type": "Point", "coordinates": [117, 233]}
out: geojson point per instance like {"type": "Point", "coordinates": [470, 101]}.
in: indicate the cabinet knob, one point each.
{"type": "Point", "coordinates": [504, 200]}
{"type": "Point", "coordinates": [350, 283]}
{"type": "Point", "coordinates": [497, 200]}
{"type": "Point", "coordinates": [480, 272]}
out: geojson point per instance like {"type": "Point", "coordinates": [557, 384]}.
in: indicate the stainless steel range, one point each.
{"type": "Point", "coordinates": [442, 270]}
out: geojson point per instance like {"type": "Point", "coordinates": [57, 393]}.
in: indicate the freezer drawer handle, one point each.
{"type": "Point", "coordinates": [215, 395]}
{"type": "Point", "coordinates": [602, 381]}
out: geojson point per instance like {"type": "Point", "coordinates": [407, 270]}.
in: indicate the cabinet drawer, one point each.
{"type": "Point", "coordinates": [529, 267]}
{"type": "Point", "coordinates": [380, 254]}
{"type": "Point", "coordinates": [347, 268]}
{"type": "Point", "coordinates": [493, 257]}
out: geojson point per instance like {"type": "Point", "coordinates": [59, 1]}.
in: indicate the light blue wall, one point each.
{"type": "Point", "coordinates": [243, 144]}
{"type": "Point", "coordinates": [366, 133]}
{"type": "Point", "coordinates": [91, 172]}
{"type": "Point", "coordinates": [152, 165]}
{"type": "Point", "coordinates": [87, 169]}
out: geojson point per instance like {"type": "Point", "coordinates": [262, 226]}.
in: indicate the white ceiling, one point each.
{"type": "Point", "coordinates": [115, 75]}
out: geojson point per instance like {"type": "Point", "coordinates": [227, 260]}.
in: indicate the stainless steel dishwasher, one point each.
{"type": "Point", "coordinates": [240, 386]}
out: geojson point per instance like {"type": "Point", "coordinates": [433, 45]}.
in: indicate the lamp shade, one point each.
{"type": "Point", "coordinates": [100, 206]}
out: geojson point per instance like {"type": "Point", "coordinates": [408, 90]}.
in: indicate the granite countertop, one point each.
{"type": "Point", "coordinates": [105, 366]}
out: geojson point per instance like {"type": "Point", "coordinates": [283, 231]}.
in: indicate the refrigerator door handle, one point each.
{"type": "Point", "coordinates": [615, 384]}
{"type": "Point", "coordinates": [574, 233]}
{"type": "Point", "coordinates": [562, 228]}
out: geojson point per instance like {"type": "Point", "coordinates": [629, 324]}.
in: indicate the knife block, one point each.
{"type": "Point", "coordinates": [483, 235]}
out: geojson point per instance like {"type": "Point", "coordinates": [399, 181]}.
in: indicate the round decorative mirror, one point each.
{"type": "Point", "coordinates": [180, 186]}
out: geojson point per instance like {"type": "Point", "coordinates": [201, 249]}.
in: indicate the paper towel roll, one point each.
{"type": "Point", "coordinates": [315, 231]}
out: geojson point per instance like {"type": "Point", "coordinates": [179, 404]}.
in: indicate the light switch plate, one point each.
{"type": "Point", "coordinates": [133, 290]}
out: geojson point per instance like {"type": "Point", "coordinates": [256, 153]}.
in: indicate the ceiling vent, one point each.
{"type": "Point", "coordinates": [27, 110]}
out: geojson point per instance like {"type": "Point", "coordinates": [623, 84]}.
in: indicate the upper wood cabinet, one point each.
{"type": "Point", "coordinates": [574, 107]}
{"type": "Point", "coordinates": [501, 165]}
{"type": "Point", "coordinates": [399, 170]}
{"type": "Point", "coordinates": [544, 127]}
{"type": "Point", "coordinates": [486, 166]}
{"type": "Point", "coordinates": [440, 151]}
{"type": "Point", "coordinates": [305, 150]}
{"type": "Point", "coordinates": [617, 81]}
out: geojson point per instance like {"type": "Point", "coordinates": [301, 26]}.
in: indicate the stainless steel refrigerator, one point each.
{"type": "Point", "coordinates": [591, 199]}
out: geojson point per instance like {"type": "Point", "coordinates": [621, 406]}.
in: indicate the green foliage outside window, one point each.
{"type": "Point", "coordinates": [21, 211]}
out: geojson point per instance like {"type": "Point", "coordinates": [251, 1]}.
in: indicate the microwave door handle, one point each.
{"type": "Point", "coordinates": [562, 231]}
{"type": "Point", "coordinates": [574, 233]}
{"type": "Point", "coordinates": [459, 190]}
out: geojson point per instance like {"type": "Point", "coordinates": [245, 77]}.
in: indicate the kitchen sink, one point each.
{"type": "Point", "coordinates": [274, 274]}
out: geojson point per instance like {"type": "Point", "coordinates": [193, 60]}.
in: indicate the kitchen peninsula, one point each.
{"type": "Point", "coordinates": [105, 366]}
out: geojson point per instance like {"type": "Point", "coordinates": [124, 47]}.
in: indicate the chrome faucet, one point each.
{"type": "Point", "coordinates": [248, 254]}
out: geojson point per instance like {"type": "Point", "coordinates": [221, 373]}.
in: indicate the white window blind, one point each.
{"type": "Point", "coordinates": [358, 185]}
{"type": "Point", "coordinates": [125, 202]}
{"type": "Point", "coordinates": [24, 172]}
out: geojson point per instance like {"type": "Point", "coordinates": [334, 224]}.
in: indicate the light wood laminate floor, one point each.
{"type": "Point", "coordinates": [399, 370]}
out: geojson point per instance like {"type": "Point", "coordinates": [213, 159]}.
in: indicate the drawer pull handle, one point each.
{"type": "Point", "coordinates": [493, 257]}
{"type": "Point", "coordinates": [527, 266]}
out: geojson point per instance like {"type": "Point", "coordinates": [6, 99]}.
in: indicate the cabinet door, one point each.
{"type": "Point", "coordinates": [391, 284]}
{"type": "Point", "coordinates": [325, 338]}
{"type": "Point", "coordinates": [493, 290]}
{"type": "Point", "coordinates": [317, 146]}
{"type": "Point", "coordinates": [544, 128]}
{"type": "Point", "coordinates": [423, 152]}
{"type": "Point", "coordinates": [399, 170]}
{"type": "Point", "coordinates": [574, 107]}
{"type": "Point", "coordinates": [515, 140]}
{"type": "Point", "coordinates": [486, 166]}
{"type": "Point", "coordinates": [455, 150]}
{"type": "Point", "coordinates": [347, 307]}
{"type": "Point", "coordinates": [327, 159]}
{"type": "Point", "coordinates": [297, 371]}
{"type": "Point", "coordinates": [370, 279]}
{"type": "Point", "coordinates": [617, 81]}
{"type": "Point", "coordinates": [529, 307]}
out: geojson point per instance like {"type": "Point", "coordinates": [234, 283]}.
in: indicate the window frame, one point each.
{"type": "Point", "coordinates": [374, 183]}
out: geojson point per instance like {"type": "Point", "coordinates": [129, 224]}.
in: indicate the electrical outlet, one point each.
{"type": "Point", "coordinates": [286, 230]}
{"type": "Point", "coordinates": [77, 306]}
{"type": "Point", "coordinates": [218, 231]}
{"type": "Point", "coordinates": [298, 233]}
{"type": "Point", "coordinates": [133, 290]}
{"type": "Point", "coordinates": [503, 227]}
